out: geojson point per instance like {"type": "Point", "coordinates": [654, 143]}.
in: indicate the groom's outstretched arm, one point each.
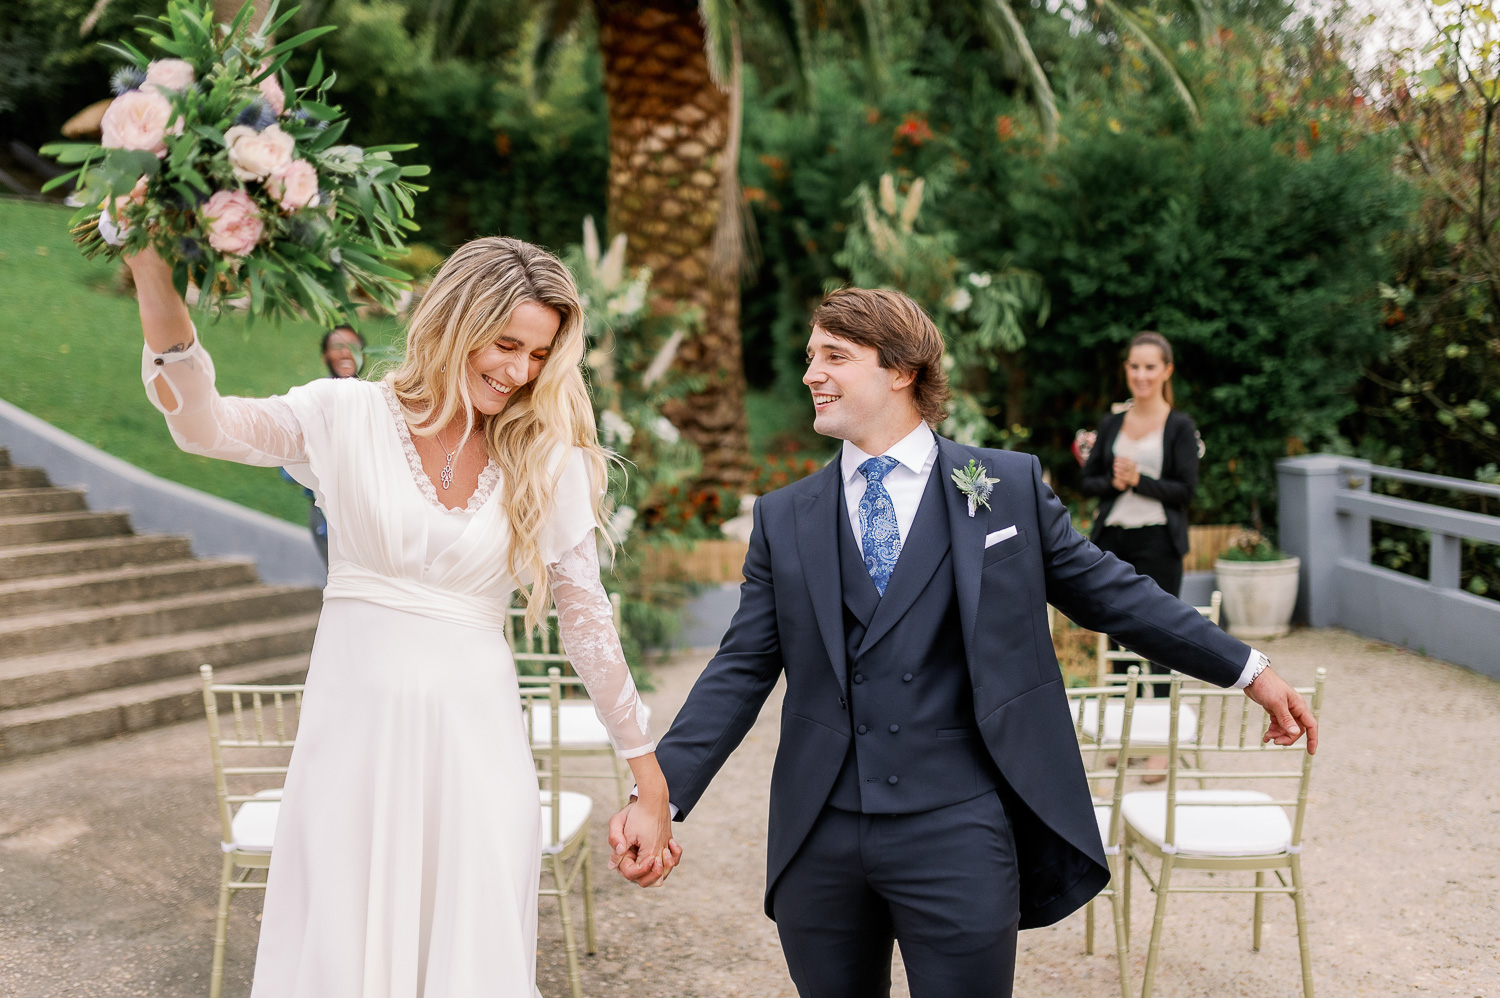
{"type": "Point", "coordinates": [728, 696]}
{"type": "Point", "coordinates": [1102, 593]}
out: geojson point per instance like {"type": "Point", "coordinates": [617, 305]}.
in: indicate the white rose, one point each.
{"type": "Point", "coordinates": [256, 155]}
{"type": "Point", "coordinates": [170, 74]}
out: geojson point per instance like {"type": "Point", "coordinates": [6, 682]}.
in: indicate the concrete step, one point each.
{"type": "Point", "coordinates": [87, 718]}
{"type": "Point", "coordinates": [34, 634]}
{"type": "Point", "coordinates": [23, 478]}
{"type": "Point", "coordinates": [38, 679]}
{"type": "Point", "coordinates": [34, 561]}
{"type": "Point", "coordinates": [130, 584]}
{"type": "Point", "coordinates": [40, 528]}
{"type": "Point", "coordinates": [23, 502]}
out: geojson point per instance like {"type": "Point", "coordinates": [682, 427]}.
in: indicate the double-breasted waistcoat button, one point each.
{"type": "Point", "coordinates": [895, 728]}
{"type": "Point", "coordinates": [906, 678]}
{"type": "Point", "coordinates": [861, 729]}
{"type": "Point", "coordinates": [893, 780]}
{"type": "Point", "coordinates": [859, 677]}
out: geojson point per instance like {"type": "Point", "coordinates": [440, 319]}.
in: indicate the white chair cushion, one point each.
{"type": "Point", "coordinates": [578, 725]}
{"type": "Point", "coordinates": [1205, 830]}
{"type": "Point", "coordinates": [254, 824]}
{"type": "Point", "coordinates": [1101, 815]}
{"type": "Point", "coordinates": [1150, 723]}
{"type": "Point", "coordinates": [575, 809]}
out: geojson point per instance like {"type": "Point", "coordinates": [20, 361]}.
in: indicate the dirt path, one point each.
{"type": "Point", "coordinates": [108, 866]}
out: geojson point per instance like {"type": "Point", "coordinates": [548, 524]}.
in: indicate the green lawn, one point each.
{"type": "Point", "coordinates": [70, 349]}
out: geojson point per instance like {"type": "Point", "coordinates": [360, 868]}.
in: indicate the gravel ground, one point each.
{"type": "Point", "coordinates": [108, 866]}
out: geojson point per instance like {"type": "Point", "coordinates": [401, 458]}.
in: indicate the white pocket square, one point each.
{"type": "Point", "coordinates": [990, 540]}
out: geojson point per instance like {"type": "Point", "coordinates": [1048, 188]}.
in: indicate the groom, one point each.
{"type": "Point", "coordinates": [928, 787]}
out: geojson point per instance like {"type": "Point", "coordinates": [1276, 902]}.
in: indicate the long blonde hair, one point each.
{"type": "Point", "coordinates": [470, 301]}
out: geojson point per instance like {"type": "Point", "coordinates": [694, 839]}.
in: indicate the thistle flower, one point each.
{"type": "Point", "coordinates": [126, 78]}
{"type": "Point", "coordinates": [257, 115]}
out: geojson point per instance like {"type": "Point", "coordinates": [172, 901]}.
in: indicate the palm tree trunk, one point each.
{"type": "Point", "coordinates": [669, 131]}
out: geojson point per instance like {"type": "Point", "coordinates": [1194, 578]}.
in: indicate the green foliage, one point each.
{"type": "Point", "coordinates": [1251, 545]}
{"type": "Point", "coordinates": [1254, 243]}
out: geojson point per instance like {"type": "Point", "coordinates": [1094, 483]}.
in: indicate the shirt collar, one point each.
{"type": "Point", "coordinates": [910, 451]}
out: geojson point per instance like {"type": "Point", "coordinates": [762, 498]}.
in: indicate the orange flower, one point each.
{"type": "Point", "coordinates": [914, 129]}
{"type": "Point", "coordinates": [1004, 127]}
{"type": "Point", "coordinates": [872, 115]}
{"type": "Point", "coordinates": [753, 194]}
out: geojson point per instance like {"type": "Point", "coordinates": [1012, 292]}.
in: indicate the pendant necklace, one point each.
{"type": "Point", "coordinates": [446, 475]}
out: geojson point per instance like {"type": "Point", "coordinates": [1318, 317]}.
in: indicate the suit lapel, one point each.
{"type": "Point", "coordinates": [920, 556]}
{"type": "Point", "coordinates": [967, 536]}
{"type": "Point", "coordinates": [818, 550]}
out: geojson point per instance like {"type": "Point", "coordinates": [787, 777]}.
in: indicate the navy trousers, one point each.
{"type": "Point", "coordinates": [944, 883]}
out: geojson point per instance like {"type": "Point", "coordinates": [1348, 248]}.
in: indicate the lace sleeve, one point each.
{"type": "Point", "coordinates": [262, 432]}
{"type": "Point", "coordinates": [588, 633]}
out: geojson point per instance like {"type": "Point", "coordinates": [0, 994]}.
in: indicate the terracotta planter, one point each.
{"type": "Point", "coordinates": [1259, 596]}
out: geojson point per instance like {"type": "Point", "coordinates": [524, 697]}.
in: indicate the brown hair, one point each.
{"type": "Point", "coordinates": [1151, 338]}
{"type": "Point", "coordinates": [903, 336]}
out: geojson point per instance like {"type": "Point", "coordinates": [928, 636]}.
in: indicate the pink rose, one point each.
{"type": "Point", "coordinates": [234, 225]}
{"type": "Point", "coordinates": [256, 155]}
{"type": "Point", "coordinates": [294, 185]}
{"type": "Point", "coordinates": [270, 89]}
{"type": "Point", "coordinates": [137, 119]}
{"type": "Point", "coordinates": [170, 74]}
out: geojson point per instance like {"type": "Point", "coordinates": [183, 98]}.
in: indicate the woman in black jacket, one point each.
{"type": "Point", "coordinates": [1144, 469]}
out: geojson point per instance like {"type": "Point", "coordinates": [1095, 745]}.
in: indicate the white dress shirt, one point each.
{"type": "Point", "coordinates": [915, 455]}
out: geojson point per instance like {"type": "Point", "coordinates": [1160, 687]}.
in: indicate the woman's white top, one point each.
{"type": "Point", "coordinates": [1132, 509]}
{"type": "Point", "coordinates": [347, 440]}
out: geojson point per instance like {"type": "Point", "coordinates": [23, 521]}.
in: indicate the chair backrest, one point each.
{"type": "Point", "coordinates": [1105, 656]}
{"type": "Point", "coordinates": [260, 730]}
{"type": "Point", "coordinates": [1233, 726]}
{"type": "Point", "coordinates": [1106, 780]}
{"type": "Point", "coordinates": [547, 695]}
{"type": "Point", "coordinates": [538, 651]}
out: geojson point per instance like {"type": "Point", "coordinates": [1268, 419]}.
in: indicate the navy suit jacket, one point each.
{"type": "Point", "coordinates": [790, 619]}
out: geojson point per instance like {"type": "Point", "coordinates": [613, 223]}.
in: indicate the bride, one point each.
{"type": "Point", "coordinates": [408, 847]}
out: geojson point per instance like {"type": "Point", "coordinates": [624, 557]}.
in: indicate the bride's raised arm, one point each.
{"type": "Point", "coordinates": [179, 379]}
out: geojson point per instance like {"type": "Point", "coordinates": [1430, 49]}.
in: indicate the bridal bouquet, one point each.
{"type": "Point", "coordinates": [236, 176]}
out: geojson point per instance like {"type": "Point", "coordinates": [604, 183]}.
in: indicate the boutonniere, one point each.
{"type": "Point", "coordinates": [974, 485]}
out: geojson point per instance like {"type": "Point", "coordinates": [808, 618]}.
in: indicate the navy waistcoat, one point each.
{"type": "Point", "coordinates": [916, 746]}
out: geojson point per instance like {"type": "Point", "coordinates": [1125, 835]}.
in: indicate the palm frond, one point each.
{"type": "Point", "coordinates": [720, 31]}
{"type": "Point", "coordinates": [557, 20]}
{"type": "Point", "coordinates": [788, 19]}
{"type": "Point", "coordinates": [734, 242]}
{"type": "Point", "coordinates": [1133, 23]}
{"type": "Point", "coordinates": [1006, 34]}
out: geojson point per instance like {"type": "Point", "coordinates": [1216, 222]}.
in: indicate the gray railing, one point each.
{"type": "Point", "coordinates": [1326, 511]}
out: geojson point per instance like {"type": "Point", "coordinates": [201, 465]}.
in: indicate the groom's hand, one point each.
{"type": "Point", "coordinates": [1290, 715]}
{"type": "Point", "coordinates": [625, 851]}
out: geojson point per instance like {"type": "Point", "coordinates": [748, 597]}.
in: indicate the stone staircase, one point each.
{"type": "Point", "coordinates": [102, 630]}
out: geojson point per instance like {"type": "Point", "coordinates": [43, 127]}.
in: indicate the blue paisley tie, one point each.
{"type": "Point", "coordinates": [879, 534]}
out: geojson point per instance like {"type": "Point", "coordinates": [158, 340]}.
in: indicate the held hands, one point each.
{"type": "Point", "coordinates": [1290, 715]}
{"type": "Point", "coordinates": [1126, 474]}
{"type": "Point", "coordinates": [641, 843]}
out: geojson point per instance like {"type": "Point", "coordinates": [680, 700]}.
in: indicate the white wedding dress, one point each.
{"type": "Point", "coordinates": [407, 851]}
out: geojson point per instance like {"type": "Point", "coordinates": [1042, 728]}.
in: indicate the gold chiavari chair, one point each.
{"type": "Point", "coordinates": [580, 731]}
{"type": "Point", "coordinates": [262, 726]}
{"type": "Point", "coordinates": [565, 820]}
{"type": "Point", "coordinates": [1106, 785]}
{"type": "Point", "coordinates": [1225, 830]}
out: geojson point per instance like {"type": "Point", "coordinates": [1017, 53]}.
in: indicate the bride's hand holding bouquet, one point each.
{"type": "Point", "coordinates": [236, 177]}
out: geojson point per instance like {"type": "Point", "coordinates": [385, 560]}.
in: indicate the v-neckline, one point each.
{"type": "Point", "coordinates": [488, 478]}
